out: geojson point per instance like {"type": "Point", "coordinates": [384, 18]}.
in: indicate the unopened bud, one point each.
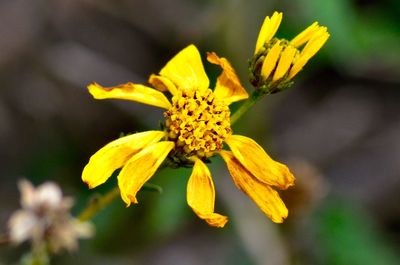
{"type": "Point", "coordinates": [277, 61]}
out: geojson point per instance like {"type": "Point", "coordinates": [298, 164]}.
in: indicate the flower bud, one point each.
{"type": "Point", "coordinates": [276, 61]}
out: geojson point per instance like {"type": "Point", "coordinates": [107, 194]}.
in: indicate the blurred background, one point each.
{"type": "Point", "coordinates": [337, 128]}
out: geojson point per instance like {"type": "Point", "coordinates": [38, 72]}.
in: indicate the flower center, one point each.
{"type": "Point", "coordinates": [198, 123]}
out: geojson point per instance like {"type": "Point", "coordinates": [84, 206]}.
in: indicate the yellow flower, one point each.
{"type": "Point", "coordinates": [277, 61]}
{"type": "Point", "coordinates": [197, 124]}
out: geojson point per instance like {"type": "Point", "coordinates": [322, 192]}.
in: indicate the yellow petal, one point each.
{"type": "Point", "coordinates": [201, 195]}
{"type": "Point", "coordinates": [270, 60]}
{"type": "Point", "coordinates": [140, 168]}
{"type": "Point", "coordinates": [312, 47]}
{"type": "Point", "coordinates": [261, 39]}
{"type": "Point", "coordinates": [264, 196]}
{"type": "Point", "coordinates": [130, 91]}
{"type": "Point", "coordinates": [255, 159]}
{"type": "Point", "coordinates": [163, 84]}
{"type": "Point", "coordinates": [228, 87]}
{"type": "Point", "coordinates": [275, 23]}
{"type": "Point", "coordinates": [186, 70]}
{"type": "Point", "coordinates": [268, 30]}
{"type": "Point", "coordinates": [305, 35]}
{"type": "Point", "coordinates": [316, 42]}
{"type": "Point", "coordinates": [298, 65]}
{"type": "Point", "coordinates": [115, 154]}
{"type": "Point", "coordinates": [284, 62]}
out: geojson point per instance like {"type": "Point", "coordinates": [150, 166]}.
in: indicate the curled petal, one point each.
{"type": "Point", "coordinates": [271, 60]}
{"type": "Point", "coordinates": [261, 40]}
{"type": "Point", "coordinates": [264, 196]}
{"type": "Point", "coordinates": [140, 168]}
{"type": "Point", "coordinates": [200, 195]}
{"type": "Point", "coordinates": [130, 91]}
{"type": "Point", "coordinates": [305, 35]}
{"type": "Point", "coordinates": [115, 154]}
{"type": "Point", "coordinates": [253, 157]}
{"type": "Point", "coordinates": [228, 87]}
{"type": "Point", "coordinates": [285, 61]}
{"type": "Point", "coordinates": [316, 42]}
{"type": "Point", "coordinates": [163, 84]}
{"type": "Point", "coordinates": [186, 70]}
{"type": "Point", "coordinates": [298, 65]}
{"type": "Point", "coordinates": [268, 30]}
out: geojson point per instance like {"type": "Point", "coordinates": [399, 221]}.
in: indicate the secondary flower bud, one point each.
{"type": "Point", "coordinates": [276, 61]}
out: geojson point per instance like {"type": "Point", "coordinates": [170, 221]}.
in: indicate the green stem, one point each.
{"type": "Point", "coordinates": [97, 204]}
{"type": "Point", "coordinates": [254, 97]}
{"type": "Point", "coordinates": [39, 255]}
{"type": "Point", "coordinates": [101, 202]}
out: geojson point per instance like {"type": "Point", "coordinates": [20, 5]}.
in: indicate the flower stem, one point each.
{"type": "Point", "coordinates": [254, 97]}
{"type": "Point", "coordinates": [99, 203]}
{"type": "Point", "coordinates": [39, 255]}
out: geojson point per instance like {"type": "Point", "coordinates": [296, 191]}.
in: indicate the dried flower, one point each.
{"type": "Point", "coordinates": [45, 218]}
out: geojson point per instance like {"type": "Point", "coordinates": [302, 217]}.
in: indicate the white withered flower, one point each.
{"type": "Point", "coordinates": [45, 218]}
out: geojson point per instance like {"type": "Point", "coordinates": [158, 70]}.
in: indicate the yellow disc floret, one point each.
{"type": "Point", "coordinates": [197, 122]}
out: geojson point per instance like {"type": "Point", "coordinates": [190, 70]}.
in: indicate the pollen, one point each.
{"type": "Point", "coordinates": [198, 123]}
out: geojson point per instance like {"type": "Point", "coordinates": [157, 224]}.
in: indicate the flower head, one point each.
{"type": "Point", "coordinates": [197, 126]}
{"type": "Point", "coordinates": [277, 61]}
{"type": "Point", "coordinates": [45, 218]}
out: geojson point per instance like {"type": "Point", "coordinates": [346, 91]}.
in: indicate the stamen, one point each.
{"type": "Point", "coordinates": [198, 123]}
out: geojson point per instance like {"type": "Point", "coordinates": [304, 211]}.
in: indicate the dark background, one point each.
{"type": "Point", "coordinates": [337, 128]}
